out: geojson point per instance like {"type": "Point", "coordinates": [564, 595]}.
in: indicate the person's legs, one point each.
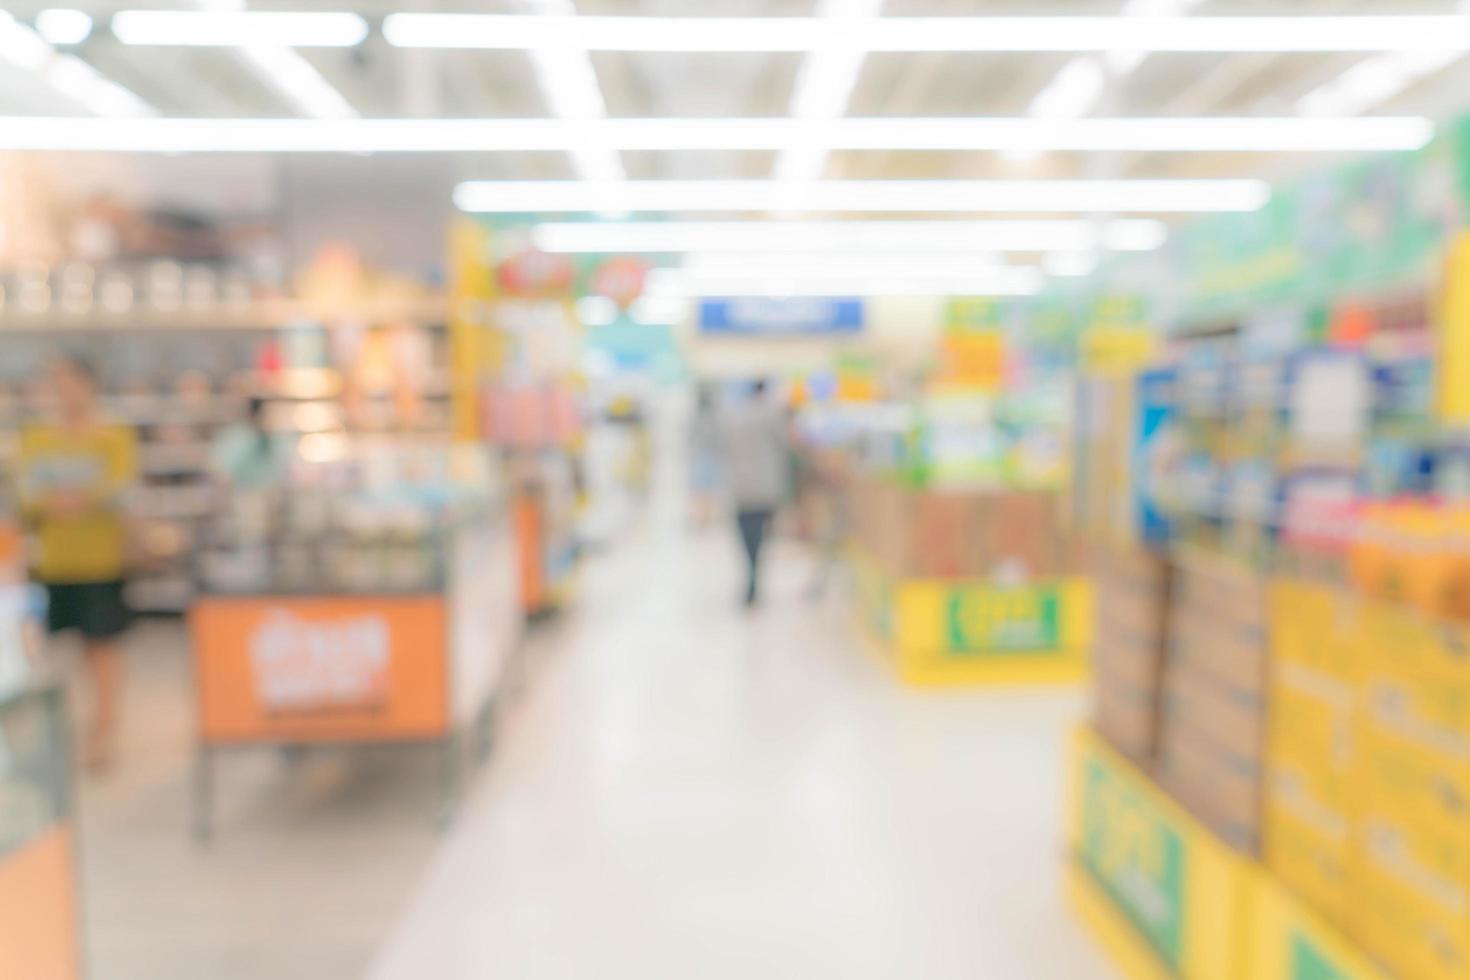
{"type": "Point", "coordinates": [102, 617]}
{"type": "Point", "coordinates": [104, 670]}
{"type": "Point", "coordinates": [753, 527]}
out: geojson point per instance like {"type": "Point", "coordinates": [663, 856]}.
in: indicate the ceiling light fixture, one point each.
{"type": "Point", "coordinates": [1275, 34]}
{"type": "Point", "coordinates": [351, 135]}
{"type": "Point", "coordinates": [858, 237]}
{"type": "Point", "coordinates": [64, 27]}
{"type": "Point", "coordinates": [937, 196]}
{"type": "Point", "coordinates": [68, 75]}
{"type": "Point", "coordinates": [671, 283]}
{"type": "Point", "coordinates": [239, 28]}
{"type": "Point", "coordinates": [823, 88]}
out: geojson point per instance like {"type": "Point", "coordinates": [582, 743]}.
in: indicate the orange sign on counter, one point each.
{"type": "Point", "coordinates": [358, 668]}
{"type": "Point", "coordinates": [38, 910]}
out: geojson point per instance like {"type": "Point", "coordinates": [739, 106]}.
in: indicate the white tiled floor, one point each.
{"type": "Point", "coordinates": [688, 790]}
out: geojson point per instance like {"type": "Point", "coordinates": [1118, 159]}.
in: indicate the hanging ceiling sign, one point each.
{"type": "Point", "coordinates": [795, 316]}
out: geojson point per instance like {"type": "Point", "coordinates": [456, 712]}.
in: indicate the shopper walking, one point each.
{"type": "Point", "coordinates": [72, 471]}
{"type": "Point", "coordinates": [757, 468]}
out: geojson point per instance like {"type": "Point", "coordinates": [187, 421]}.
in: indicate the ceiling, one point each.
{"type": "Point", "coordinates": [380, 81]}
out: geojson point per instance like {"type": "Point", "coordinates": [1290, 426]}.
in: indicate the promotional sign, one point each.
{"type": "Point", "coordinates": [781, 317]}
{"type": "Point", "coordinates": [972, 360]}
{"type": "Point", "coordinates": [964, 619]}
{"type": "Point", "coordinates": [1149, 878]}
{"type": "Point", "coordinates": [968, 314]}
{"type": "Point", "coordinates": [321, 668]}
{"type": "Point", "coordinates": [620, 279]}
{"type": "Point", "coordinates": [1362, 228]}
{"type": "Point", "coordinates": [1116, 351]}
{"type": "Point", "coordinates": [1005, 620]}
{"type": "Point", "coordinates": [1136, 854]}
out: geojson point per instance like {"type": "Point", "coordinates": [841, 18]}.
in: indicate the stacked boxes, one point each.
{"type": "Point", "coordinates": [1212, 733]}
{"type": "Point", "coordinates": [1411, 871]}
{"type": "Point", "coordinates": [960, 534]}
{"type": "Point", "coordinates": [1310, 753]}
{"type": "Point", "coordinates": [1132, 589]}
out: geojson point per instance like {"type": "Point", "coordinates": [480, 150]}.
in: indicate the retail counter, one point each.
{"type": "Point", "coordinates": [305, 667]}
{"type": "Point", "coordinates": [39, 937]}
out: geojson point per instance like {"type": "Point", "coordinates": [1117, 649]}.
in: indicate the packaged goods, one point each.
{"type": "Point", "coordinates": [1212, 732]}
{"type": "Point", "coordinates": [1132, 589]}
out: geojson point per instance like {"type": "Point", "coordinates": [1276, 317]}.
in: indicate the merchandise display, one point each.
{"type": "Point", "coordinates": [1306, 654]}
{"type": "Point", "coordinates": [969, 586]}
{"type": "Point", "coordinates": [372, 596]}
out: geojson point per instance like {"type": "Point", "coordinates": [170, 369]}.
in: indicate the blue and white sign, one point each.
{"type": "Point", "coordinates": [781, 316]}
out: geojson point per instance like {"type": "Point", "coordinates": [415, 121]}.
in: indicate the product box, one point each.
{"type": "Point", "coordinates": [1132, 590]}
{"type": "Point", "coordinates": [1128, 718]}
{"type": "Point", "coordinates": [1414, 911]}
{"type": "Point", "coordinates": [1221, 788]}
{"type": "Point", "coordinates": [1213, 731]}
{"type": "Point", "coordinates": [1306, 840]}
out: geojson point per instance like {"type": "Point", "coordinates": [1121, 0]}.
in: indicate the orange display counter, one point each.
{"type": "Point", "coordinates": [297, 670]}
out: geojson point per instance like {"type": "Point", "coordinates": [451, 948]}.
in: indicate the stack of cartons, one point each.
{"type": "Point", "coordinates": [1311, 757]}
{"type": "Point", "coordinates": [959, 534]}
{"type": "Point", "coordinates": [1212, 733]}
{"type": "Point", "coordinates": [1411, 867]}
{"type": "Point", "coordinates": [1132, 589]}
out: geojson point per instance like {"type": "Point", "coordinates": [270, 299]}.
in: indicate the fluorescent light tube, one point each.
{"type": "Point", "coordinates": [64, 26]}
{"type": "Point", "coordinates": [314, 95]}
{"type": "Point", "coordinates": [1283, 34]}
{"type": "Point", "coordinates": [1014, 282]}
{"type": "Point", "coordinates": [239, 28]}
{"type": "Point", "coordinates": [859, 237]}
{"type": "Point", "coordinates": [939, 196]}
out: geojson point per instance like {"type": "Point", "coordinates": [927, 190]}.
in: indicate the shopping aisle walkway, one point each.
{"type": "Point", "coordinates": [687, 790]}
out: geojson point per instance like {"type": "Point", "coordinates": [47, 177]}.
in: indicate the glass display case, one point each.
{"type": "Point", "coordinates": [34, 793]}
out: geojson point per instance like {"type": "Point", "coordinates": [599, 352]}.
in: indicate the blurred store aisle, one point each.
{"type": "Point", "coordinates": [691, 791]}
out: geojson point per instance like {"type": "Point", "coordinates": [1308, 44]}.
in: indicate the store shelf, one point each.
{"type": "Point", "coordinates": [259, 316]}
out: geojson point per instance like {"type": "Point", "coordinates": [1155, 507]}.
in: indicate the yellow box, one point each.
{"type": "Point", "coordinates": [1286, 941]}
{"type": "Point", "coordinates": [1311, 717]}
{"type": "Point", "coordinates": [1307, 836]}
{"type": "Point", "coordinates": [1415, 909]}
{"type": "Point", "coordinates": [1413, 781]}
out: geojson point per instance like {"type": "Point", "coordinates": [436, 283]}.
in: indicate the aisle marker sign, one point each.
{"type": "Point", "coordinates": [1135, 855]}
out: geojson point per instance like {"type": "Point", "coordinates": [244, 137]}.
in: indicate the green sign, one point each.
{"type": "Point", "coordinates": [963, 314]}
{"type": "Point", "coordinates": [994, 620]}
{"type": "Point", "coordinates": [1310, 963]}
{"type": "Point", "coordinates": [1364, 227]}
{"type": "Point", "coordinates": [1136, 855]}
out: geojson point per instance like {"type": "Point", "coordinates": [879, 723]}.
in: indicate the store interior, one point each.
{"type": "Point", "coordinates": [614, 489]}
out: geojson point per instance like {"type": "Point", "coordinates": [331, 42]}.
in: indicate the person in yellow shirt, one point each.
{"type": "Point", "coordinates": [71, 474]}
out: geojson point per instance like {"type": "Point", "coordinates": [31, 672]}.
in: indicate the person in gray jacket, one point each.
{"type": "Point", "coordinates": [756, 450]}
